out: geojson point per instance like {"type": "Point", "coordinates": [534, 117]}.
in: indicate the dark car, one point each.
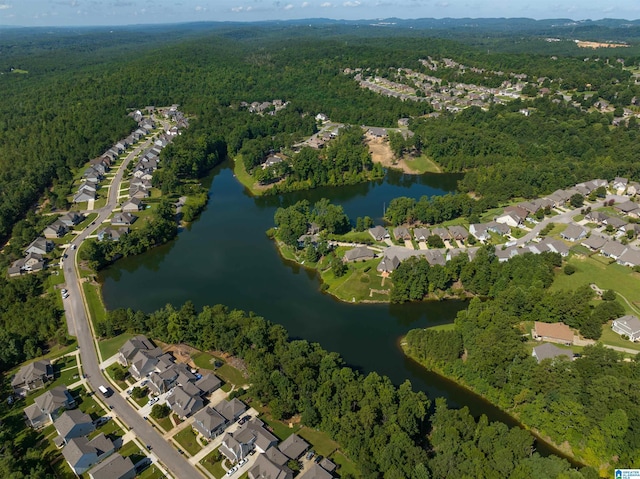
{"type": "Point", "coordinates": [318, 459]}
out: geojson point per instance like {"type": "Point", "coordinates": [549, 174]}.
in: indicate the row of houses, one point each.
{"type": "Point", "coordinates": [34, 259]}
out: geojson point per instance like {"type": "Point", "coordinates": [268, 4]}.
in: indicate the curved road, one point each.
{"type": "Point", "coordinates": [78, 325]}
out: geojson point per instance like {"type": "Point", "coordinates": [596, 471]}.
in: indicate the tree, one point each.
{"type": "Point", "coordinates": [338, 267]}
{"type": "Point", "coordinates": [435, 241]}
{"type": "Point", "coordinates": [159, 411]}
{"type": "Point", "coordinates": [569, 269]}
{"type": "Point", "coordinates": [577, 200]}
{"type": "Point", "coordinates": [609, 295]}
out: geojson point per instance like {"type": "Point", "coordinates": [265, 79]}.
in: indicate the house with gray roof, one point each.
{"type": "Point", "coordinates": [556, 246]}
{"type": "Point", "coordinates": [111, 233]}
{"type": "Point", "coordinates": [628, 326]}
{"type": "Point", "coordinates": [235, 449]}
{"type": "Point", "coordinates": [32, 376]}
{"type": "Point", "coordinates": [573, 232]}
{"type": "Point", "coordinates": [132, 205]}
{"type": "Point", "coordinates": [401, 233]}
{"type": "Point", "coordinates": [73, 423]}
{"type": "Point", "coordinates": [597, 217]}
{"type": "Point", "coordinates": [479, 231]}
{"type": "Point", "coordinates": [595, 242]}
{"type": "Point", "coordinates": [619, 184]}
{"type": "Point", "coordinates": [434, 256]}
{"type": "Point", "coordinates": [57, 229]}
{"type": "Point", "coordinates": [361, 253]}
{"type": "Point", "coordinates": [262, 439]}
{"type": "Point", "coordinates": [388, 264]}
{"type": "Point", "coordinates": [81, 453]}
{"type": "Point", "coordinates": [615, 222]}
{"type": "Point", "coordinates": [327, 465]}
{"type": "Point", "coordinates": [315, 472]}
{"type": "Point", "coordinates": [71, 219]}
{"type": "Point", "coordinates": [498, 228]}
{"type": "Point", "coordinates": [506, 254]}
{"type": "Point", "coordinates": [208, 383]}
{"type": "Point", "coordinates": [185, 403]}
{"type": "Point", "coordinates": [114, 467]}
{"type": "Point", "coordinates": [231, 410]}
{"type": "Point", "coordinates": [293, 447]}
{"type": "Point", "coordinates": [263, 468]}
{"type": "Point", "coordinates": [379, 233]}
{"type": "Point", "coordinates": [612, 249]}
{"type": "Point", "coordinates": [131, 347]}
{"type": "Point", "coordinates": [144, 362]}
{"type": "Point", "coordinates": [123, 219]}
{"type": "Point", "coordinates": [628, 208]}
{"type": "Point", "coordinates": [209, 422]}
{"type": "Point", "coordinates": [458, 233]}
{"type": "Point", "coordinates": [49, 406]}
{"type": "Point", "coordinates": [443, 233]}
{"type": "Point", "coordinates": [421, 234]}
{"type": "Point", "coordinates": [39, 245]}
{"type": "Point", "coordinates": [630, 257]}
{"type": "Point", "coordinates": [550, 351]}
{"type": "Point", "coordinates": [510, 219]}
{"type": "Point", "coordinates": [83, 196]}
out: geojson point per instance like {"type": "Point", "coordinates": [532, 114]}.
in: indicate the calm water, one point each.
{"type": "Point", "coordinates": [225, 257]}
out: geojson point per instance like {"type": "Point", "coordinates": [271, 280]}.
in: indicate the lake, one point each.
{"type": "Point", "coordinates": [225, 257]}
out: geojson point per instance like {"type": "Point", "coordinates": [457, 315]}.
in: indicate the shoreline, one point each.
{"type": "Point", "coordinates": [553, 447]}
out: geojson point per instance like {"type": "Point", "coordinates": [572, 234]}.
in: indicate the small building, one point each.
{"type": "Point", "coordinates": [293, 447]}
{"type": "Point", "coordinates": [32, 376]}
{"type": "Point", "coordinates": [550, 351]}
{"type": "Point", "coordinates": [401, 233]}
{"type": "Point", "coordinates": [114, 467]}
{"type": "Point", "coordinates": [595, 242]}
{"type": "Point", "coordinates": [132, 205]}
{"type": "Point", "coordinates": [573, 232]}
{"type": "Point", "coordinates": [421, 234]}
{"type": "Point", "coordinates": [73, 423]}
{"type": "Point", "coordinates": [81, 453]}
{"type": "Point", "coordinates": [361, 253]}
{"type": "Point", "coordinates": [209, 422]}
{"type": "Point", "coordinates": [388, 264]}
{"type": "Point", "coordinates": [628, 326]}
{"type": "Point", "coordinates": [630, 257]}
{"type": "Point", "coordinates": [379, 233]}
{"type": "Point", "coordinates": [552, 332]}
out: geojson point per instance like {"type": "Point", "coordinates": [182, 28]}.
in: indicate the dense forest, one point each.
{"type": "Point", "coordinates": [591, 402]}
{"type": "Point", "coordinates": [388, 431]}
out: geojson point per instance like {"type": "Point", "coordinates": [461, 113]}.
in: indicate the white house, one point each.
{"type": "Point", "coordinates": [628, 325]}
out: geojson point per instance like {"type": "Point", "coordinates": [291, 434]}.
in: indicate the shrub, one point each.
{"type": "Point", "coordinates": [569, 270]}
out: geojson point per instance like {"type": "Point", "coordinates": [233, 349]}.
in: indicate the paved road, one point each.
{"type": "Point", "coordinates": [79, 324]}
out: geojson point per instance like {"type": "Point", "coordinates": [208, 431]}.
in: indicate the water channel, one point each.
{"type": "Point", "coordinates": [225, 257]}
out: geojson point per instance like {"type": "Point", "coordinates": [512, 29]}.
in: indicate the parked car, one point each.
{"type": "Point", "coordinates": [310, 454]}
{"type": "Point", "coordinates": [243, 462]}
{"type": "Point", "coordinates": [318, 459]}
{"type": "Point", "coordinates": [154, 400]}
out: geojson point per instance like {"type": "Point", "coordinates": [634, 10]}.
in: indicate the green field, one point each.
{"type": "Point", "coordinates": [422, 164]}
{"type": "Point", "coordinates": [231, 375]}
{"type": "Point", "coordinates": [97, 311]}
{"type": "Point", "coordinates": [243, 176]}
{"type": "Point", "coordinates": [356, 284]}
{"type": "Point", "coordinates": [214, 467]}
{"type": "Point", "coordinates": [614, 339]}
{"type": "Point", "coordinates": [109, 347]}
{"type": "Point", "coordinates": [320, 442]}
{"type": "Point", "coordinates": [345, 465]}
{"type": "Point", "coordinates": [278, 428]}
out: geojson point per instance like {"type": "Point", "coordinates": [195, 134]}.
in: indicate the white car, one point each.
{"type": "Point", "coordinates": [243, 462]}
{"type": "Point", "coordinates": [152, 401]}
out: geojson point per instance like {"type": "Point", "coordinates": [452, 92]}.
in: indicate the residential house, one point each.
{"type": "Point", "coordinates": [81, 453]}
{"type": "Point", "coordinates": [112, 234]}
{"type": "Point", "coordinates": [263, 468]}
{"type": "Point", "coordinates": [315, 472]}
{"type": "Point", "coordinates": [123, 219]}
{"type": "Point", "coordinates": [361, 253]}
{"type": "Point", "coordinates": [388, 264]}
{"type": "Point", "coordinates": [137, 191]}
{"type": "Point", "coordinates": [327, 465]}
{"type": "Point", "coordinates": [133, 204]}
{"type": "Point", "coordinates": [630, 257]}
{"type": "Point", "coordinates": [421, 234]}
{"type": "Point", "coordinates": [509, 219]}
{"type": "Point", "coordinates": [209, 422]}
{"type": "Point", "coordinates": [33, 262]}
{"type": "Point", "coordinates": [401, 233]}
{"type": "Point", "coordinates": [629, 208]}
{"type": "Point", "coordinates": [235, 449]}
{"type": "Point", "coordinates": [144, 363]}
{"type": "Point", "coordinates": [375, 132]}
{"type": "Point", "coordinates": [550, 351]}
{"type": "Point", "coordinates": [185, 401]}
{"type": "Point", "coordinates": [49, 406]}
{"type": "Point", "coordinates": [507, 253]}
{"type": "Point", "coordinates": [114, 467]}
{"type": "Point", "coordinates": [615, 222]}
{"type": "Point", "coordinates": [71, 219]}
{"type": "Point", "coordinates": [57, 229]}
{"type": "Point", "coordinates": [595, 242]}
{"type": "Point", "coordinates": [131, 347]}
{"type": "Point", "coordinates": [553, 333]}
{"type": "Point", "coordinates": [32, 376]}
{"type": "Point", "coordinates": [379, 233]}
{"type": "Point", "coordinates": [498, 228]}
{"type": "Point", "coordinates": [556, 246]}
{"type": "Point", "coordinates": [633, 188]}
{"type": "Point", "coordinates": [434, 256]}
{"type": "Point", "coordinates": [597, 217]}
{"type": "Point", "coordinates": [628, 326]}
{"type": "Point", "coordinates": [619, 185]}
{"type": "Point", "coordinates": [612, 249]}
{"type": "Point", "coordinates": [276, 456]}
{"type": "Point", "coordinates": [83, 195]}
{"type": "Point", "coordinates": [146, 184]}
{"type": "Point", "coordinates": [443, 233]}
{"type": "Point", "coordinates": [93, 175]}
{"type": "Point", "coordinates": [39, 245]}
{"type": "Point", "coordinates": [73, 423]}
{"type": "Point", "coordinates": [518, 211]}
{"type": "Point", "coordinates": [479, 231]}
{"type": "Point", "coordinates": [458, 233]}
{"type": "Point", "coordinates": [231, 410]}
{"type": "Point", "coordinates": [293, 447]}
{"type": "Point", "coordinates": [573, 232]}
{"type": "Point", "coordinates": [263, 439]}
{"type": "Point", "coordinates": [559, 197]}
{"type": "Point", "coordinates": [271, 161]}
{"type": "Point", "coordinates": [208, 383]}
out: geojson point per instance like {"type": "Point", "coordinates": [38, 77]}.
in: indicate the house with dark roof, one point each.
{"type": "Point", "coordinates": [315, 472]}
{"type": "Point", "coordinates": [32, 376]}
{"type": "Point", "coordinates": [71, 219]}
{"type": "Point", "coordinates": [458, 233]}
{"type": "Point", "coordinates": [550, 351]}
{"type": "Point", "coordinates": [209, 422]}
{"type": "Point", "coordinates": [131, 205]}
{"type": "Point", "coordinates": [388, 264]}
{"type": "Point", "coordinates": [263, 468]}
{"type": "Point", "coordinates": [73, 423]}
{"type": "Point", "coordinates": [421, 234]}
{"type": "Point", "coordinates": [379, 233]}
{"type": "Point", "coordinates": [57, 229]}
{"type": "Point", "coordinates": [81, 453]}
{"type": "Point", "coordinates": [131, 347]}
{"type": "Point", "coordinates": [293, 447]}
{"type": "Point", "coordinates": [628, 326]}
{"type": "Point", "coordinates": [49, 406]}
{"type": "Point", "coordinates": [114, 467]}
{"type": "Point", "coordinates": [401, 233]}
{"type": "Point", "coordinates": [360, 253]}
{"type": "Point", "coordinates": [185, 402]}
{"type": "Point", "coordinates": [231, 410]}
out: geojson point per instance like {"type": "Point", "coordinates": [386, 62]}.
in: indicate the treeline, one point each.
{"type": "Point", "coordinates": [159, 229]}
{"type": "Point", "coordinates": [385, 429]}
{"type": "Point", "coordinates": [295, 220]}
{"type": "Point", "coordinates": [506, 154]}
{"type": "Point", "coordinates": [434, 209]}
{"type": "Point", "coordinates": [591, 402]}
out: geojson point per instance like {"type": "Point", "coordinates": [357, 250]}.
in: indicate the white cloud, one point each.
{"type": "Point", "coordinates": [288, 6]}
{"type": "Point", "coordinates": [201, 9]}
{"type": "Point", "coordinates": [305, 4]}
{"type": "Point", "coordinates": [355, 3]}
{"type": "Point", "coordinates": [326, 5]}
{"type": "Point", "coordinates": [241, 9]}
{"type": "Point", "coordinates": [4, 6]}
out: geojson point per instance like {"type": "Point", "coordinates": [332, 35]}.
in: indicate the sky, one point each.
{"type": "Point", "coordinates": [130, 12]}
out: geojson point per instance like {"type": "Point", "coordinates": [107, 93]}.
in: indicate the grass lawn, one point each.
{"type": "Point", "coordinates": [132, 450]}
{"type": "Point", "coordinates": [422, 164]}
{"type": "Point", "coordinates": [165, 423]}
{"type": "Point", "coordinates": [151, 472]}
{"type": "Point", "coordinates": [443, 327]}
{"type": "Point", "coordinates": [97, 311]}
{"type": "Point", "coordinates": [111, 372]}
{"type": "Point", "coordinates": [189, 441]}
{"type": "Point", "coordinates": [345, 465]}
{"type": "Point", "coordinates": [320, 441]}
{"type": "Point", "coordinates": [578, 218]}
{"type": "Point", "coordinates": [243, 176]}
{"type": "Point", "coordinates": [86, 222]}
{"type": "Point", "coordinates": [205, 360]}
{"type": "Point", "coordinates": [109, 347]}
{"type": "Point", "coordinates": [214, 467]}
{"type": "Point", "coordinates": [607, 276]}
{"type": "Point", "coordinates": [355, 237]}
{"type": "Point", "coordinates": [88, 405]}
{"type": "Point", "coordinates": [62, 470]}
{"type": "Point", "coordinates": [67, 377]}
{"type": "Point", "coordinates": [231, 375]}
{"type": "Point", "coordinates": [110, 428]}
{"type": "Point", "coordinates": [614, 339]}
{"type": "Point", "coordinates": [356, 284]}
{"type": "Point", "coordinates": [144, 399]}
{"type": "Point", "coordinates": [279, 428]}
{"type": "Point", "coordinates": [99, 203]}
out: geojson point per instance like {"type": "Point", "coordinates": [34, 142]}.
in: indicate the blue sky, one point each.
{"type": "Point", "coordinates": [126, 12]}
